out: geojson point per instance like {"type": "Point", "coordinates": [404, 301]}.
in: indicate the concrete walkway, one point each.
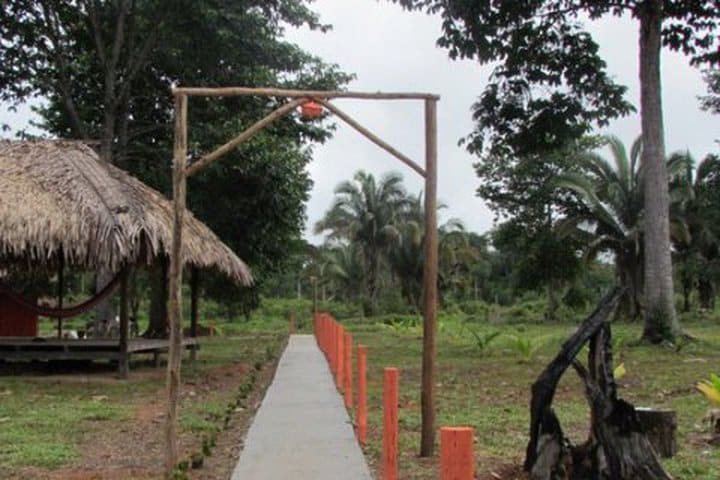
{"type": "Point", "coordinates": [302, 430]}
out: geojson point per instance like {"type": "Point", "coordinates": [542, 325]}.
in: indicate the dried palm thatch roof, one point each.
{"type": "Point", "coordinates": [57, 197]}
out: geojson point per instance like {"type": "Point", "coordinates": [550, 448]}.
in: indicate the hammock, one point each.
{"type": "Point", "coordinates": [62, 312]}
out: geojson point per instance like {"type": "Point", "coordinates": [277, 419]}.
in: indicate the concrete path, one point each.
{"type": "Point", "coordinates": [302, 430]}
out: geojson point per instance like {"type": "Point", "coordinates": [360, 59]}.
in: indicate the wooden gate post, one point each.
{"type": "Point", "coordinates": [430, 272]}
{"type": "Point", "coordinates": [175, 284]}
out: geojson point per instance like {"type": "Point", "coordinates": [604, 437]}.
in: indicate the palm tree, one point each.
{"type": "Point", "coordinates": [612, 206]}
{"type": "Point", "coordinates": [367, 212]}
{"type": "Point", "coordinates": [696, 236]}
{"type": "Point", "coordinates": [344, 270]}
{"type": "Point", "coordinates": [406, 257]}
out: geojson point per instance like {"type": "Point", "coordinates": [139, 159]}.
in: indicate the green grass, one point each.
{"type": "Point", "coordinates": [488, 388]}
{"type": "Point", "coordinates": [43, 422]}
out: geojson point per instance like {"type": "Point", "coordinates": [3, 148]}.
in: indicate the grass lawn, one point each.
{"type": "Point", "coordinates": [87, 419]}
{"type": "Point", "coordinates": [489, 389]}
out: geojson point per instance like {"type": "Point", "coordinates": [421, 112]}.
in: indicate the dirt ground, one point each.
{"type": "Point", "coordinates": [133, 449]}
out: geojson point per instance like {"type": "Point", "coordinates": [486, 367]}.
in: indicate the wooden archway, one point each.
{"type": "Point", "coordinates": [182, 170]}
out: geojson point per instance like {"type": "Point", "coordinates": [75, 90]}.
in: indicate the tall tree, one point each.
{"type": "Point", "coordinates": [696, 236]}
{"type": "Point", "coordinates": [550, 85]}
{"type": "Point", "coordinates": [612, 193]}
{"type": "Point", "coordinates": [105, 68]}
{"type": "Point", "coordinates": [367, 211]}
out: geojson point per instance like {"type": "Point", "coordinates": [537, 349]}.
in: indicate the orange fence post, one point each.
{"type": "Point", "coordinates": [340, 372]}
{"type": "Point", "coordinates": [457, 461]}
{"type": "Point", "coordinates": [348, 371]}
{"type": "Point", "coordinates": [333, 345]}
{"type": "Point", "coordinates": [390, 424]}
{"type": "Point", "coordinates": [362, 394]}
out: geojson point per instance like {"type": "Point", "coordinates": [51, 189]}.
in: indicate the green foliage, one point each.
{"type": "Point", "coordinates": [711, 102]}
{"type": "Point", "coordinates": [711, 388]}
{"type": "Point", "coordinates": [525, 346]}
{"type": "Point", "coordinates": [549, 84]}
{"type": "Point", "coordinates": [483, 340]}
{"type": "Point", "coordinates": [366, 212]}
{"type": "Point", "coordinates": [105, 68]}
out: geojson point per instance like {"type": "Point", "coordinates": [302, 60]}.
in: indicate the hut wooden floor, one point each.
{"type": "Point", "coordinates": [28, 348]}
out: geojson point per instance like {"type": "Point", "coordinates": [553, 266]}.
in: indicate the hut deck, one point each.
{"type": "Point", "coordinates": [39, 348]}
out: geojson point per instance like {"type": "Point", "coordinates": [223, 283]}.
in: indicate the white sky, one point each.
{"type": "Point", "coordinates": [393, 50]}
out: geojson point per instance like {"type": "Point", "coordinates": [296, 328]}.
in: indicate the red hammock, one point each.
{"type": "Point", "coordinates": [62, 312]}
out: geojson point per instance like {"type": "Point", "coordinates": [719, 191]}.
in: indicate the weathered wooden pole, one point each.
{"type": "Point", "coordinates": [194, 308]}
{"type": "Point", "coordinates": [175, 281]}
{"type": "Point", "coordinates": [124, 360]}
{"type": "Point", "coordinates": [430, 272]}
{"type": "Point", "coordinates": [61, 289]}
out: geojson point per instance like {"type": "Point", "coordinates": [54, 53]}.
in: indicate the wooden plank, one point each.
{"type": "Point", "coordinates": [430, 272]}
{"type": "Point", "coordinates": [28, 355]}
{"type": "Point", "coordinates": [280, 92]}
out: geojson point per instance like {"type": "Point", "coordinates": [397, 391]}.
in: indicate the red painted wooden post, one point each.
{"type": "Point", "coordinates": [333, 346]}
{"type": "Point", "coordinates": [457, 460]}
{"type": "Point", "coordinates": [362, 394]}
{"type": "Point", "coordinates": [340, 372]}
{"type": "Point", "coordinates": [348, 371]}
{"type": "Point", "coordinates": [390, 424]}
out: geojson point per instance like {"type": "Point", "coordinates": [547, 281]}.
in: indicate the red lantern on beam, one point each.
{"type": "Point", "coordinates": [311, 110]}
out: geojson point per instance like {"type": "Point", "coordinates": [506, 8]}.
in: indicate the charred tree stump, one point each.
{"type": "Point", "coordinates": [660, 426]}
{"type": "Point", "coordinates": [617, 447]}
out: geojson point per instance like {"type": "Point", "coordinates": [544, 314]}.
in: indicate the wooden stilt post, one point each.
{"type": "Point", "coordinates": [457, 460]}
{"type": "Point", "coordinates": [124, 360]}
{"type": "Point", "coordinates": [194, 308]}
{"type": "Point", "coordinates": [390, 424]}
{"type": "Point", "coordinates": [427, 400]}
{"type": "Point", "coordinates": [61, 289]}
{"type": "Point", "coordinates": [362, 394]}
{"type": "Point", "coordinates": [175, 281]}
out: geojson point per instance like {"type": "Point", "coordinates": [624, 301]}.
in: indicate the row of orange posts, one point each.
{"type": "Point", "coordinates": [457, 460]}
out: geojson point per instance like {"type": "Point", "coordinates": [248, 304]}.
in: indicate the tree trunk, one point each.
{"type": "Point", "coordinates": [706, 292]}
{"type": "Point", "coordinates": [660, 427]}
{"type": "Point", "coordinates": [660, 321]}
{"type": "Point", "coordinates": [373, 260]}
{"type": "Point", "coordinates": [629, 272]}
{"type": "Point", "coordinates": [158, 326]}
{"type": "Point", "coordinates": [617, 447]}
{"type": "Point", "coordinates": [687, 284]}
{"type": "Point", "coordinates": [552, 301]}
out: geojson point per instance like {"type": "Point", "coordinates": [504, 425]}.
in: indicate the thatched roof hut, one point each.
{"type": "Point", "coordinates": [57, 197]}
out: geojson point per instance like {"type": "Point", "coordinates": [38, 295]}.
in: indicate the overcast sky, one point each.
{"type": "Point", "coordinates": [392, 50]}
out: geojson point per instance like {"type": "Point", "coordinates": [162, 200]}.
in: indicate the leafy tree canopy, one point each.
{"type": "Point", "coordinates": [550, 83]}
{"type": "Point", "coordinates": [105, 69]}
